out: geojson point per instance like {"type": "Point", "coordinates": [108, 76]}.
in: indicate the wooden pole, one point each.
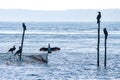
{"type": "Point", "coordinates": [24, 28]}
{"type": "Point", "coordinates": [105, 60]}
{"type": "Point", "coordinates": [98, 45]}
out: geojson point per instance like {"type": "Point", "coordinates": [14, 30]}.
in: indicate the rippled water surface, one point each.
{"type": "Point", "coordinates": [76, 59]}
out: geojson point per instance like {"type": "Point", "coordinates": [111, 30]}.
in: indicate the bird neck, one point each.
{"type": "Point", "coordinates": [49, 49]}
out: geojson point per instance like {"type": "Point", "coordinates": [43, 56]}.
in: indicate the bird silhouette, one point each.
{"type": "Point", "coordinates": [12, 49]}
{"type": "Point", "coordinates": [18, 51]}
{"type": "Point", "coordinates": [98, 17]}
{"type": "Point", "coordinates": [105, 32]}
{"type": "Point", "coordinates": [49, 49]}
{"type": "Point", "coordinates": [24, 26]}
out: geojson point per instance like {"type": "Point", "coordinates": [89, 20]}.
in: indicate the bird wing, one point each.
{"type": "Point", "coordinates": [55, 49]}
{"type": "Point", "coordinates": [43, 49]}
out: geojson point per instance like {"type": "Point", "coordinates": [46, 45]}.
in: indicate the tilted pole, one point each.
{"type": "Point", "coordinates": [24, 28]}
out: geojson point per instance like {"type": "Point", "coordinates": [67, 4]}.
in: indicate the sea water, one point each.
{"type": "Point", "coordinates": [77, 57]}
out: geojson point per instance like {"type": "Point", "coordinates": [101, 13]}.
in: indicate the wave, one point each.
{"type": "Point", "coordinates": [55, 32]}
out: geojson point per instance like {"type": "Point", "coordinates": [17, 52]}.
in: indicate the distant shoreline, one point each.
{"type": "Point", "coordinates": [54, 22]}
{"type": "Point", "coordinates": [75, 15]}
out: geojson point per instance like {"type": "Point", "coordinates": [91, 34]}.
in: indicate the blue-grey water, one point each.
{"type": "Point", "coordinates": [77, 57]}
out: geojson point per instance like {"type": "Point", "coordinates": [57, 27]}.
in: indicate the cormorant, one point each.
{"type": "Point", "coordinates": [12, 49]}
{"type": "Point", "coordinates": [105, 32]}
{"type": "Point", "coordinates": [18, 51]}
{"type": "Point", "coordinates": [49, 49]}
{"type": "Point", "coordinates": [24, 26]}
{"type": "Point", "coordinates": [98, 17]}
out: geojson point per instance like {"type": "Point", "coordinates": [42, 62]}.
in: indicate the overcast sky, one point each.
{"type": "Point", "coordinates": [59, 4]}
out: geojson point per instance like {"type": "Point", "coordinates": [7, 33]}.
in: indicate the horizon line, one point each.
{"type": "Point", "coordinates": [58, 10]}
{"type": "Point", "coordinates": [58, 21]}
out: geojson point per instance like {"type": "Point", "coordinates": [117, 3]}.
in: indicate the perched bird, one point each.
{"type": "Point", "coordinates": [24, 26]}
{"type": "Point", "coordinates": [49, 49]}
{"type": "Point", "coordinates": [105, 32]}
{"type": "Point", "coordinates": [98, 17]}
{"type": "Point", "coordinates": [12, 49]}
{"type": "Point", "coordinates": [18, 51]}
